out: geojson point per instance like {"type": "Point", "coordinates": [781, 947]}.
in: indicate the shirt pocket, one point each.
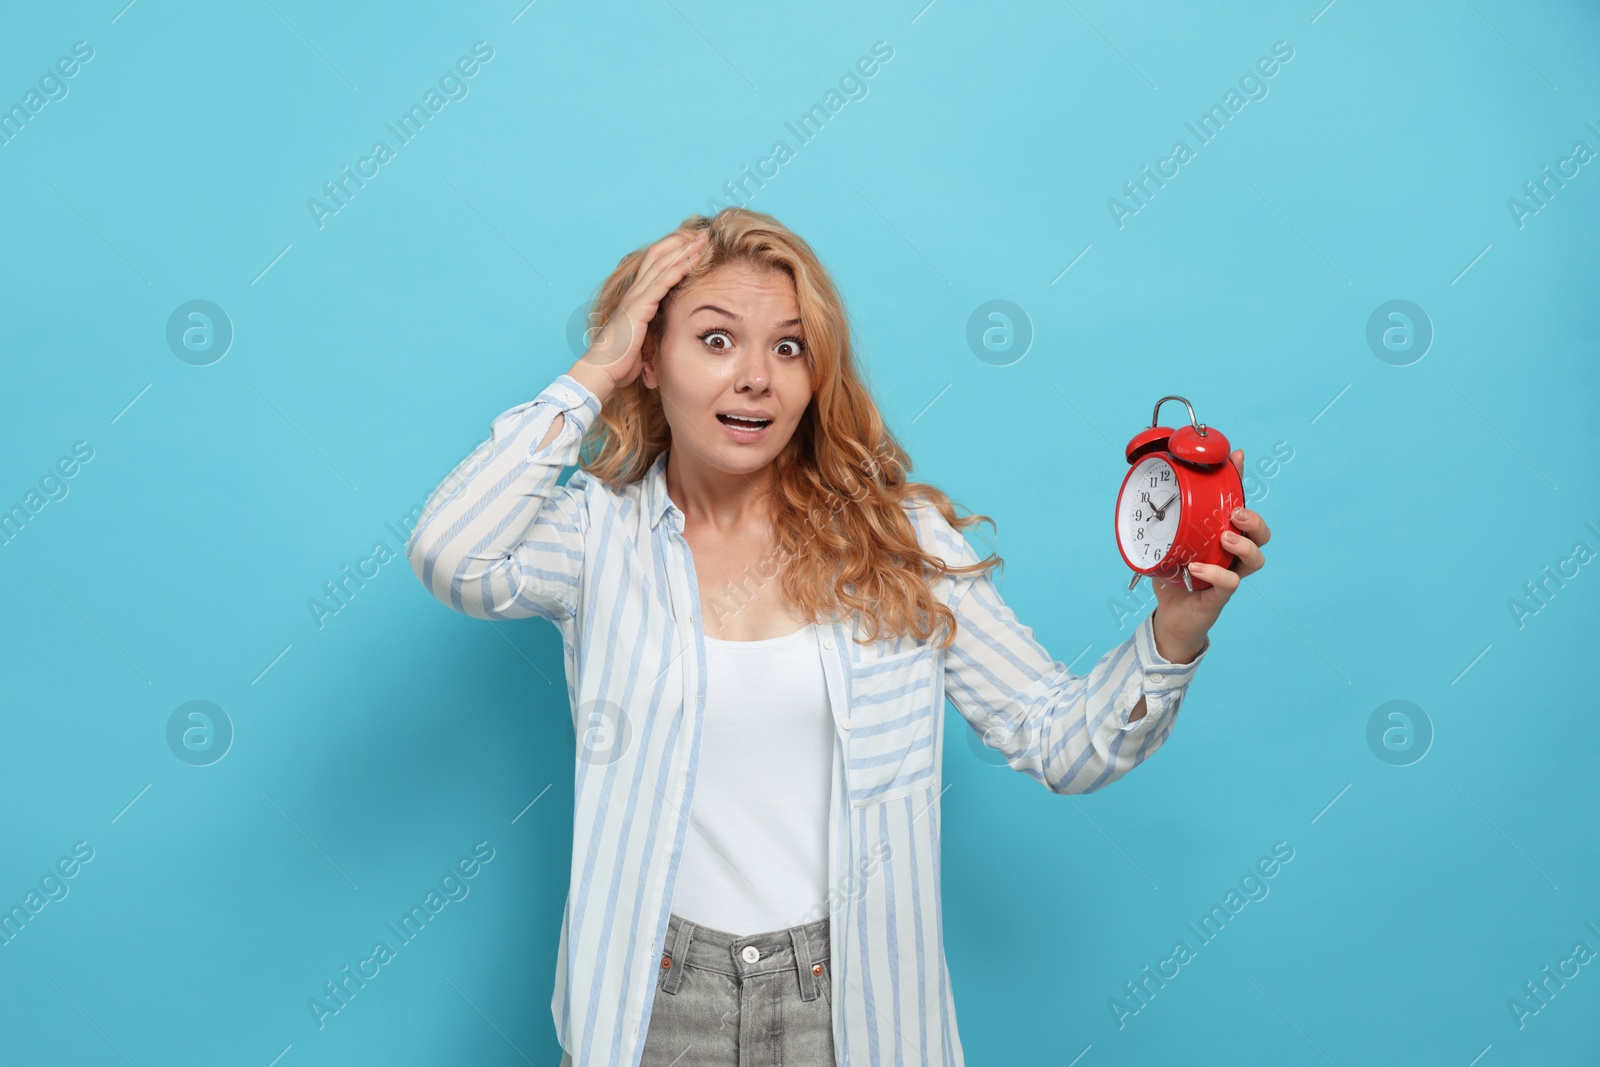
{"type": "Point", "coordinates": [891, 739]}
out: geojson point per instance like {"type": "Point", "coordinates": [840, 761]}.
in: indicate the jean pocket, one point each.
{"type": "Point", "coordinates": [891, 736]}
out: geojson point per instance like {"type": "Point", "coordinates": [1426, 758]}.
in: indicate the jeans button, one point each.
{"type": "Point", "coordinates": [751, 954]}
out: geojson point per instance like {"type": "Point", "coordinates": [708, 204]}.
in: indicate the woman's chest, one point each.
{"type": "Point", "coordinates": [637, 662]}
{"type": "Point", "coordinates": [741, 589]}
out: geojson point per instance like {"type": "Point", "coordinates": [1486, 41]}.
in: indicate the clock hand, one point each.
{"type": "Point", "coordinates": [1161, 512]}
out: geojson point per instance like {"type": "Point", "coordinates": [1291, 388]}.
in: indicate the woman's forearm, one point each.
{"type": "Point", "coordinates": [595, 380]}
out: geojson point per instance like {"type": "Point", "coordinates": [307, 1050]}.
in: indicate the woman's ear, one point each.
{"type": "Point", "coordinates": [650, 353]}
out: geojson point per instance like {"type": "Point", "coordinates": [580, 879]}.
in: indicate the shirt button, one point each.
{"type": "Point", "coordinates": [827, 642]}
{"type": "Point", "coordinates": [844, 724]}
{"type": "Point", "coordinates": [751, 954]}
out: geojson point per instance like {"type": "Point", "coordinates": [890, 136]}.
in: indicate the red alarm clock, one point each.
{"type": "Point", "coordinates": [1176, 500]}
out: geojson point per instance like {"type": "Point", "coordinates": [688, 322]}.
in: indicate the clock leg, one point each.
{"type": "Point", "coordinates": [1186, 583]}
{"type": "Point", "coordinates": [1135, 581]}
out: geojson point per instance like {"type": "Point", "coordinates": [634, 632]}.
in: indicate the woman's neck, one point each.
{"type": "Point", "coordinates": [714, 498]}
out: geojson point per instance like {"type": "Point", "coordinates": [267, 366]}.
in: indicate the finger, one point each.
{"type": "Point", "coordinates": [674, 267]}
{"type": "Point", "coordinates": [663, 253]}
{"type": "Point", "coordinates": [1251, 524]}
{"type": "Point", "coordinates": [1221, 577]}
{"type": "Point", "coordinates": [671, 243]}
{"type": "Point", "coordinates": [1237, 455]}
{"type": "Point", "coordinates": [1249, 556]}
{"type": "Point", "coordinates": [667, 250]}
{"type": "Point", "coordinates": [655, 253]}
{"type": "Point", "coordinates": [648, 291]}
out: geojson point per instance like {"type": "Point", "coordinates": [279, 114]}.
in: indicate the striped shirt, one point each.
{"type": "Point", "coordinates": [499, 539]}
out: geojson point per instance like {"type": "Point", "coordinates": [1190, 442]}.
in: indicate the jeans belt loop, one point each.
{"type": "Point", "coordinates": [679, 956]}
{"type": "Point", "coordinates": [802, 959]}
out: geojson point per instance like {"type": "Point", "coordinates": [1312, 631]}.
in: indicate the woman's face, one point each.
{"type": "Point", "coordinates": [732, 345]}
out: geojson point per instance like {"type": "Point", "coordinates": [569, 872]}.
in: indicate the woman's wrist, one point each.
{"type": "Point", "coordinates": [1172, 648]}
{"type": "Point", "coordinates": [594, 378]}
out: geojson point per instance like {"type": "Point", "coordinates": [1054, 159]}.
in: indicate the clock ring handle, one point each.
{"type": "Point", "coordinates": [1200, 427]}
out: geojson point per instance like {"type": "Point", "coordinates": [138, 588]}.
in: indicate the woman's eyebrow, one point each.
{"type": "Point", "coordinates": [739, 318]}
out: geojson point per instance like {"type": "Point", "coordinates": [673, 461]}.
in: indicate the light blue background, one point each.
{"type": "Point", "coordinates": [371, 354]}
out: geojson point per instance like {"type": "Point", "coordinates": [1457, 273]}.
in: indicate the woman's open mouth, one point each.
{"type": "Point", "coordinates": [743, 428]}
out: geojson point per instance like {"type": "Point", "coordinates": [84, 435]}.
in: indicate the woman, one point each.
{"type": "Point", "coordinates": [761, 619]}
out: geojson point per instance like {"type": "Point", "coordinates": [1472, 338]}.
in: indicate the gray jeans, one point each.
{"type": "Point", "coordinates": [761, 1000]}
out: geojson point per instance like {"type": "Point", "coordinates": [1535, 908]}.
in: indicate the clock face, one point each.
{"type": "Point", "coordinates": [1147, 513]}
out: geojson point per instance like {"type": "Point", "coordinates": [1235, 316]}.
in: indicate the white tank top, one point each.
{"type": "Point", "coordinates": [755, 856]}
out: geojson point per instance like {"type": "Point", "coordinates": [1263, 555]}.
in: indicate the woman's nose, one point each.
{"type": "Point", "coordinates": [754, 373]}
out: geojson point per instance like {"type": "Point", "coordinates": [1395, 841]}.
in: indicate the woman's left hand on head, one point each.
{"type": "Point", "coordinates": [1183, 616]}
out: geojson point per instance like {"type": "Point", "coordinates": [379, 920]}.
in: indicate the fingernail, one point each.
{"type": "Point", "coordinates": [1195, 567]}
{"type": "Point", "coordinates": [1229, 537]}
{"type": "Point", "coordinates": [1238, 513]}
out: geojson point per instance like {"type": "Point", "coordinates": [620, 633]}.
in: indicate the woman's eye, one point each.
{"type": "Point", "coordinates": [789, 347]}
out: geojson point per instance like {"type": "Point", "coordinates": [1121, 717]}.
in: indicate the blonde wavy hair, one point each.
{"type": "Point", "coordinates": [841, 485]}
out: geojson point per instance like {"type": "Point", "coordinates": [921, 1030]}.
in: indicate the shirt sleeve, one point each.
{"type": "Point", "coordinates": [498, 539]}
{"type": "Point", "coordinates": [1070, 732]}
